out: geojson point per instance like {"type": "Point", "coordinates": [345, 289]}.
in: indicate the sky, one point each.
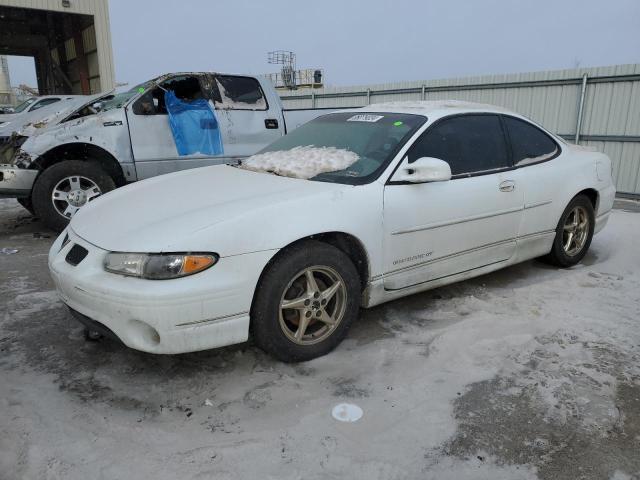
{"type": "Point", "coordinates": [363, 42]}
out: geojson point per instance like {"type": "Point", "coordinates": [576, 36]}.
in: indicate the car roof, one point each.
{"type": "Point", "coordinates": [61, 95]}
{"type": "Point", "coordinates": [434, 108]}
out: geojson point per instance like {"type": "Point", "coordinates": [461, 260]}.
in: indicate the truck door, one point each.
{"type": "Point", "coordinates": [152, 142]}
{"type": "Point", "coordinates": [250, 117]}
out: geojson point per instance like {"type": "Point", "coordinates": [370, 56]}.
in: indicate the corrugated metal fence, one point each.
{"type": "Point", "coordinates": [609, 118]}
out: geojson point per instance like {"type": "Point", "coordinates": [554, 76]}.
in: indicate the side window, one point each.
{"type": "Point", "coordinates": [239, 93]}
{"type": "Point", "coordinates": [468, 143]}
{"type": "Point", "coordinates": [528, 143]}
{"type": "Point", "coordinates": [152, 102]}
{"type": "Point", "coordinates": [43, 103]}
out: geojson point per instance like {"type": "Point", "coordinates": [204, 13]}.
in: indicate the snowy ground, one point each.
{"type": "Point", "coordinates": [530, 372]}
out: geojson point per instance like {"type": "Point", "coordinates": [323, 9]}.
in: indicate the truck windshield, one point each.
{"type": "Point", "coordinates": [117, 100]}
{"type": "Point", "coordinates": [352, 148]}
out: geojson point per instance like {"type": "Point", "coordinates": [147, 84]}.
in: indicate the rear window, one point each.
{"type": "Point", "coordinates": [43, 103]}
{"type": "Point", "coordinates": [239, 93]}
{"type": "Point", "coordinates": [529, 144]}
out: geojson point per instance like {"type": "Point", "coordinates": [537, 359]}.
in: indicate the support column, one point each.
{"type": "Point", "coordinates": [583, 91]}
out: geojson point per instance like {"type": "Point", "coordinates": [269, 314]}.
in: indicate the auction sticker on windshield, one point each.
{"type": "Point", "coordinates": [365, 118]}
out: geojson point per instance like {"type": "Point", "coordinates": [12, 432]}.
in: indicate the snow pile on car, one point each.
{"type": "Point", "coordinates": [301, 162]}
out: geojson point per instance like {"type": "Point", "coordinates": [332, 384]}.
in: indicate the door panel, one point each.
{"type": "Point", "coordinates": [543, 175]}
{"type": "Point", "coordinates": [246, 119]}
{"type": "Point", "coordinates": [152, 143]}
{"type": "Point", "coordinates": [437, 229]}
{"type": "Point", "coordinates": [433, 230]}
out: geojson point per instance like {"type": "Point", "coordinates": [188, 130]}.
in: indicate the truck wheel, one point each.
{"type": "Point", "coordinates": [305, 302]}
{"type": "Point", "coordinates": [62, 189]}
{"type": "Point", "coordinates": [573, 234]}
{"type": "Point", "coordinates": [26, 204]}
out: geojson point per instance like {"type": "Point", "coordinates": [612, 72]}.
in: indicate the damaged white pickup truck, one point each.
{"type": "Point", "coordinates": [143, 132]}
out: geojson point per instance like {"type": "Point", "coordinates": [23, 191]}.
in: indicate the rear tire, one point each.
{"type": "Point", "coordinates": [84, 178]}
{"type": "Point", "coordinates": [305, 302]}
{"type": "Point", "coordinates": [573, 233]}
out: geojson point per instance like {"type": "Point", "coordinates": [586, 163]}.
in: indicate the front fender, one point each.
{"type": "Point", "coordinates": [106, 131]}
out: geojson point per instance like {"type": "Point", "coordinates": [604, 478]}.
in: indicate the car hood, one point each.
{"type": "Point", "coordinates": [186, 210]}
{"type": "Point", "coordinates": [69, 108]}
{"type": "Point", "coordinates": [8, 117]}
{"type": "Point", "coordinates": [37, 122]}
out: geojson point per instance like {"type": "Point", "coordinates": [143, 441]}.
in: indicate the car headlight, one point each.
{"type": "Point", "coordinates": [158, 266]}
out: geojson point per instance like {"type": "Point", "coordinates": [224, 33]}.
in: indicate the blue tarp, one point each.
{"type": "Point", "coordinates": [194, 126]}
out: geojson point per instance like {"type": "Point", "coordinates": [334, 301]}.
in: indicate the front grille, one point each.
{"type": "Point", "coordinates": [76, 255]}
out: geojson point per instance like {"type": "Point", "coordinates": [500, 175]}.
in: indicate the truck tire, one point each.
{"type": "Point", "coordinates": [26, 204]}
{"type": "Point", "coordinates": [62, 189]}
{"type": "Point", "coordinates": [305, 302]}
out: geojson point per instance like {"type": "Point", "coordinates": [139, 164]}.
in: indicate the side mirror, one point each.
{"type": "Point", "coordinates": [423, 170]}
{"type": "Point", "coordinates": [97, 106]}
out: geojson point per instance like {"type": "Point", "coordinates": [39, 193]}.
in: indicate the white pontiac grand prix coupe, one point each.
{"type": "Point", "coordinates": [353, 209]}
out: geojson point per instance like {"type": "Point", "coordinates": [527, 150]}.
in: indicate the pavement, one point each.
{"type": "Point", "coordinates": [529, 372]}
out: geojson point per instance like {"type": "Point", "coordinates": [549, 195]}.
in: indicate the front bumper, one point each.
{"type": "Point", "coordinates": [16, 182]}
{"type": "Point", "coordinates": [199, 312]}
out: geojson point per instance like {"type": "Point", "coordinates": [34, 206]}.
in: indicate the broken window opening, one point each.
{"type": "Point", "coordinates": [186, 88]}
{"type": "Point", "coordinates": [238, 93]}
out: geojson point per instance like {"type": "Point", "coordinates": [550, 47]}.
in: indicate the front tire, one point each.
{"type": "Point", "coordinates": [62, 189]}
{"type": "Point", "coordinates": [305, 302]}
{"type": "Point", "coordinates": [573, 233]}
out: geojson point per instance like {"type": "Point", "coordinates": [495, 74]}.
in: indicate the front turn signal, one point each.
{"type": "Point", "coordinates": [196, 263]}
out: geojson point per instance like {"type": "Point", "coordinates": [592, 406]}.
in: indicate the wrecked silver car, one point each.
{"type": "Point", "coordinates": [174, 122]}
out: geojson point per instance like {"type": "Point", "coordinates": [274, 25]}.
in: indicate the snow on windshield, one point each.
{"type": "Point", "coordinates": [301, 162]}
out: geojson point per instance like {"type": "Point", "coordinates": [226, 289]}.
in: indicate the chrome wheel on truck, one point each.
{"type": "Point", "coordinates": [71, 193]}
{"type": "Point", "coordinates": [65, 187]}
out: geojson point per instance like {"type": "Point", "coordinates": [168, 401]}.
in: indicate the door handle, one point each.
{"type": "Point", "coordinates": [507, 186]}
{"type": "Point", "coordinates": [271, 123]}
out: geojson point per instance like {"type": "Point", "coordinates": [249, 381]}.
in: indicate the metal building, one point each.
{"type": "Point", "coordinates": [70, 41]}
{"type": "Point", "coordinates": [590, 106]}
{"type": "Point", "coordinates": [5, 82]}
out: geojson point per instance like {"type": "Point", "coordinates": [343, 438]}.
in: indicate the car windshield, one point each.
{"type": "Point", "coordinates": [24, 105]}
{"type": "Point", "coordinates": [351, 148]}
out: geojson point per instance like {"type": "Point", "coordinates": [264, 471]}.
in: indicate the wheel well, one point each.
{"type": "Point", "coordinates": [87, 152]}
{"type": "Point", "coordinates": [349, 244]}
{"type": "Point", "coordinates": [352, 247]}
{"type": "Point", "coordinates": [592, 195]}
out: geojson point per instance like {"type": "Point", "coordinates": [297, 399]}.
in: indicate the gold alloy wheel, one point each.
{"type": "Point", "coordinates": [313, 305]}
{"type": "Point", "coordinates": [575, 231]}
